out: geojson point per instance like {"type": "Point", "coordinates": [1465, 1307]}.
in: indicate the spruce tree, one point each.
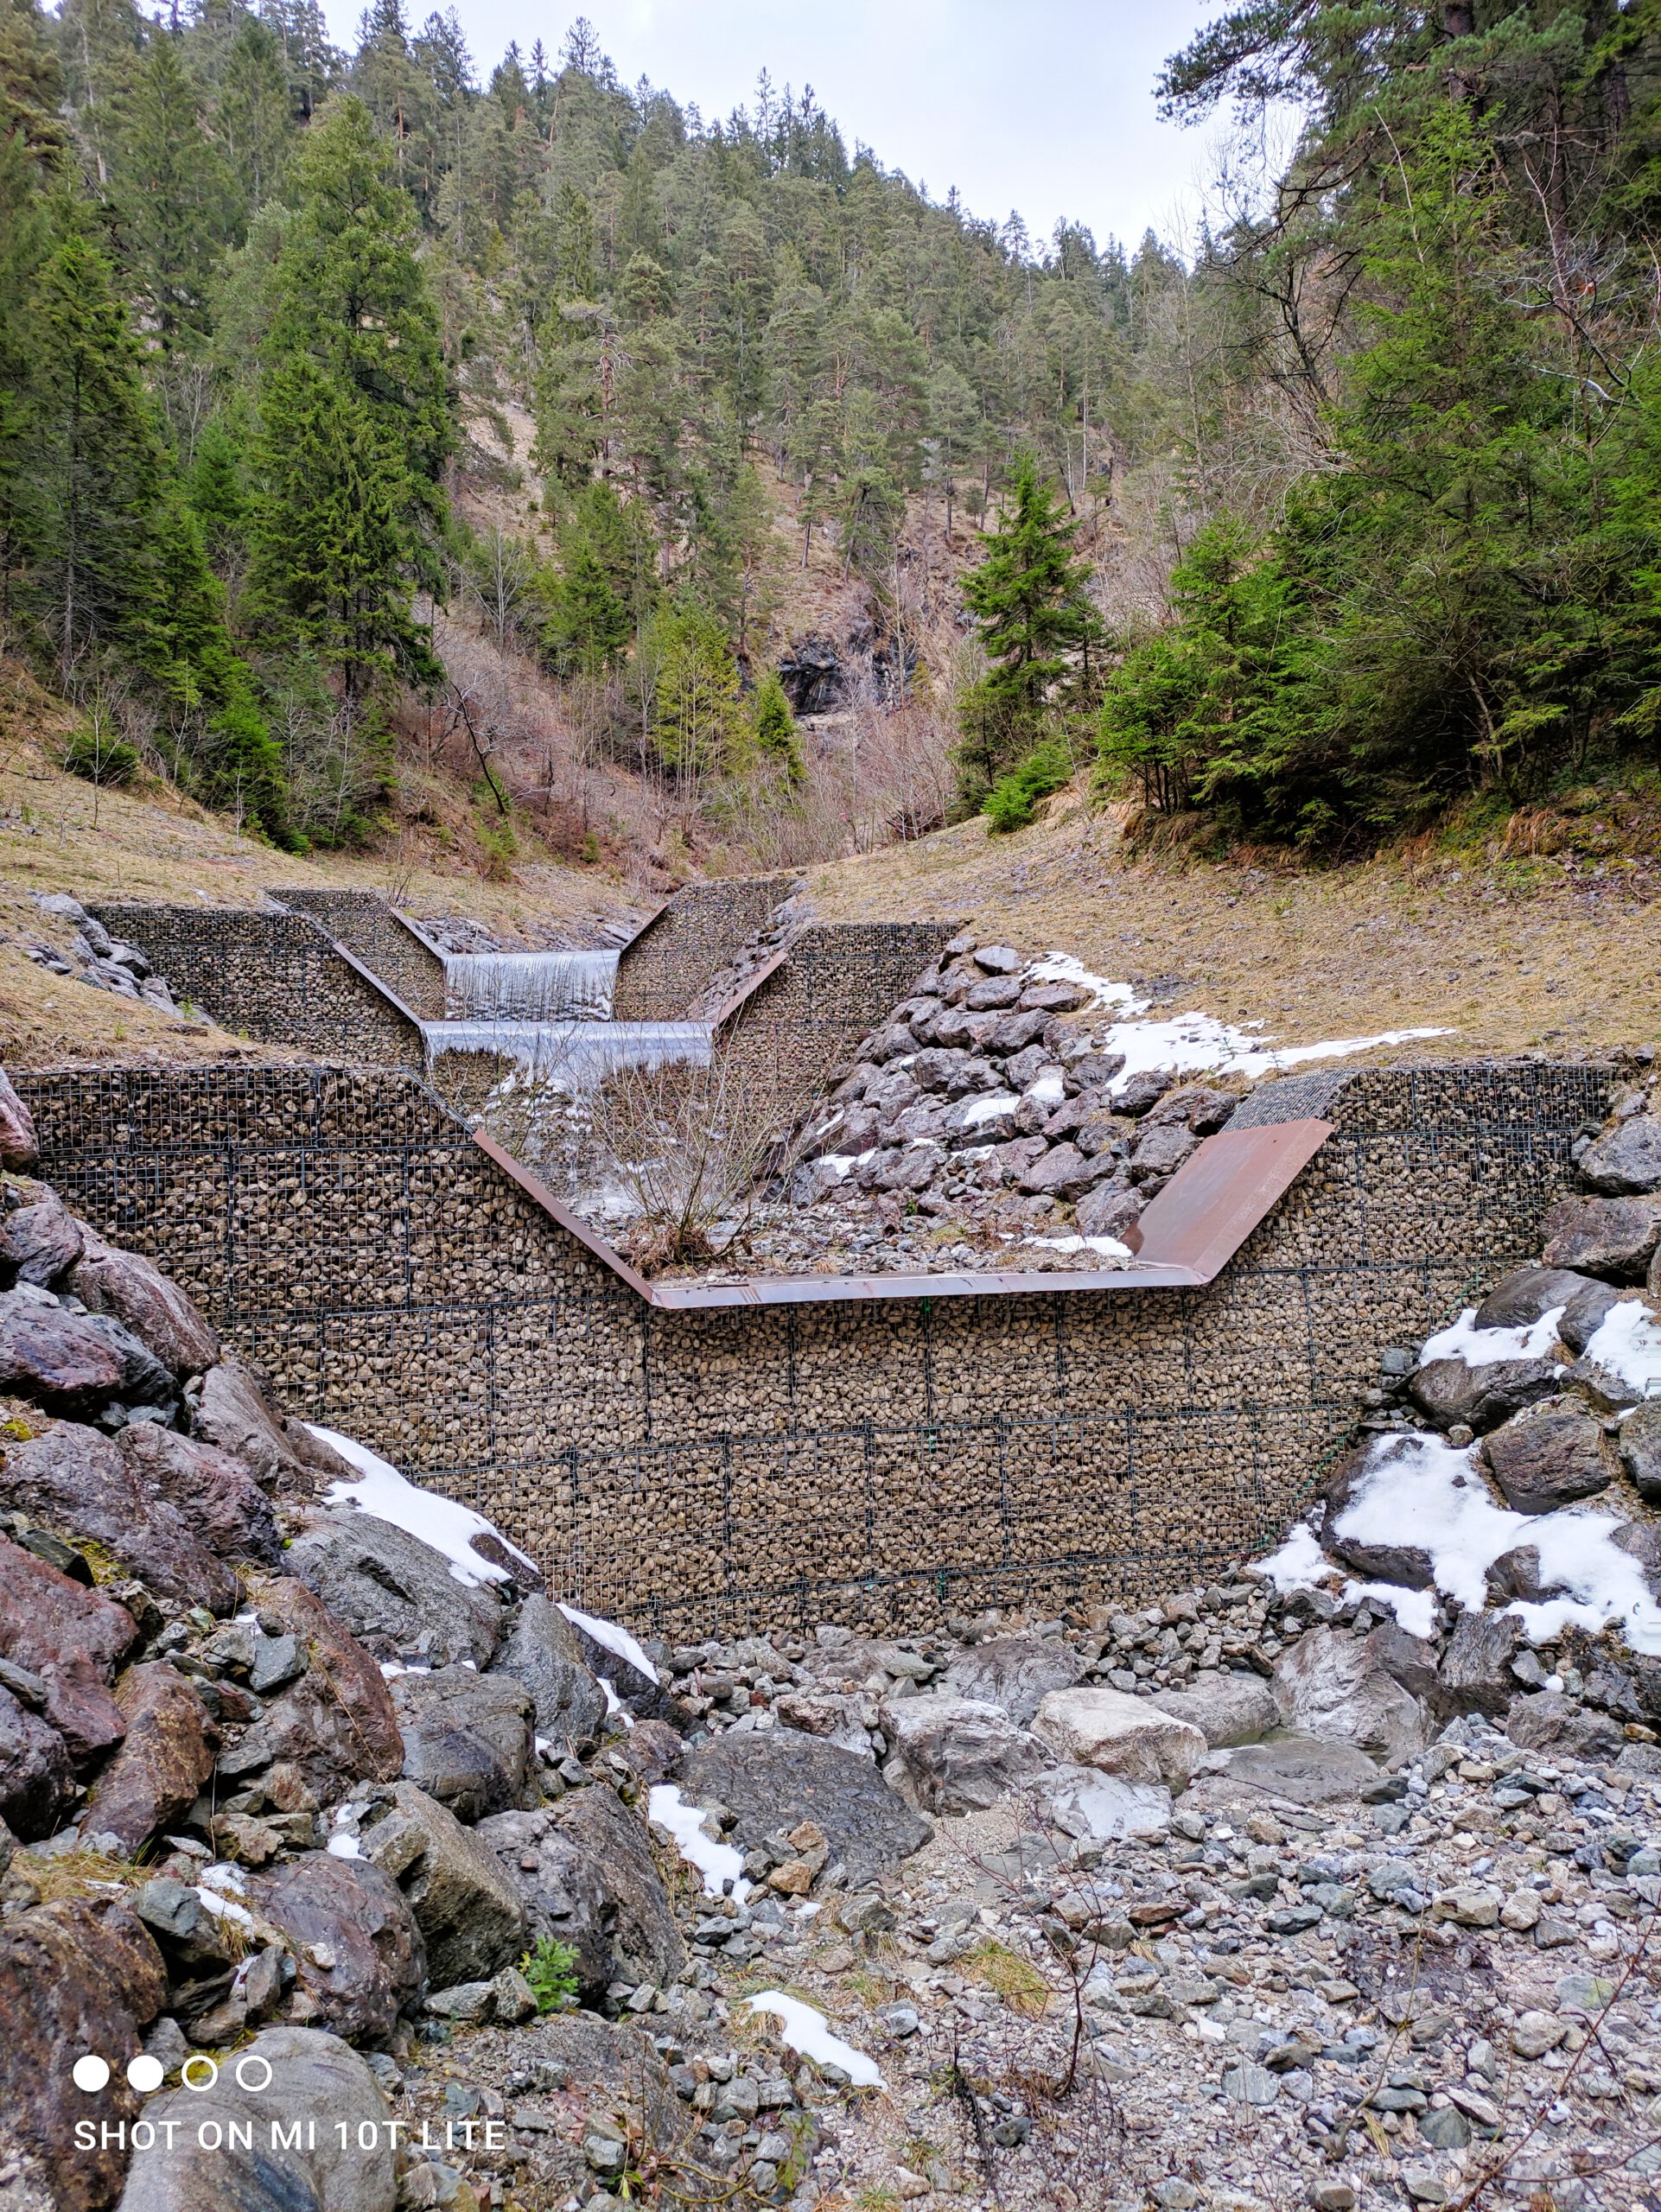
{"type": "Point", "coordinates": [176, 193]}
{"type": "Point", "coordinates": [773, 728]}
{"type": "Point", "coordinates": [1027, 596]}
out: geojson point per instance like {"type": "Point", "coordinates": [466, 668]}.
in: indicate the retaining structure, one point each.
{"type": "Point", "coordinates": [687, 943]}
{"type": "Point", "coordinates": [693, 1458]}
{"type": "Point", "coordinates": [279, 977]}
{"type": "Point", "coordinates": [373, 931]}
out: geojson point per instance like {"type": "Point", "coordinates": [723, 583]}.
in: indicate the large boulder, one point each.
{"type": "Point", "coordinates": [1334, 1684]}
{"type": "Point", "coordinates": [334, 1726]}
{"type": "Point", "coordinates": [19, 1146]}
{"type": "Point", "coordinates": [1016, 1672]}
{"type": "Point", "coordinates": [76, 1365]}
{"type": "Point", "coordinates": [1527, 1294]}
{"type": "Point", "coordinates": [1307, 1769]}
{"type": "Point", "coordinates": [1614, 1238]}
{"type": "Point", "coordinates": [1547, 1455]}
{"type": "Point", "coordinates": [317, 2138]}
{"type": "Point", "coordinates": [394, 1592]}
{"type": "Point", "coordinates": [1548, 1721]}
{"type": "Point", "coordinates": [775, 1779]}
{"type": "Point", "coordinates": [1225, 1709]}
{"type": "Point", "coordinates": [360, 1957]}
{"type": "Point", "coordinates": [1405, 1564]}
{"type": "Point", "coordinates": [1451, 1391]}
{"type": "Point", "coordinates": [75, 1977]}
{"type": "Point", "coordinates": [73, 1638]}
{"type": "Point", "coordinates": [642, 1695]}
{"type": "Point", "coordinates": [39, 1239]}
{"type": "Point", "coordinates": [585, 1870]}
{"type": "Point", "coordinates": [132, 1290]}
{"type": "Point", "coordinates": [234, 1413]}
{"type": "Point", "coordinates": [216, 1494]}
{"type": "Point", "coordinates": [78, 1480]}
{"type": "Point", "coordinates": [469, 1912]}
{"type": "Point", "coordinates": [37, 1779]}
{"type": "Point", "coordinates": [1125, 1736]}
{"type": "Point", "coordinates": [1626, 1160]}
{"type": "Point", "coordinates": [1475, 1674]}
{"type": "Point", "coordinates": [164, 1760]}
{"type": "Point", "coordinates": [957, 1754]}
{"type": "Point", "coordinates": [467, 1738]}
{"type": "Point", "coordinates": [542, 1652]}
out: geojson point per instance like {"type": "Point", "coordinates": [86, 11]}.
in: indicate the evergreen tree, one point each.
{"type": "Point", "coordinates": [177, 194]}
{"type": "Point", "coordinates": [1027, 596]}
{"type": "Point", "coordinates": [773, 728]}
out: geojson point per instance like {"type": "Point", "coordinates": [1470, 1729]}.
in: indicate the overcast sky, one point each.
{"type": "Point", "coordinates": [1043, 105]}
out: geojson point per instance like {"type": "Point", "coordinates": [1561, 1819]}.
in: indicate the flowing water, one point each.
{"type": "Point", "coordinates": [575, 1056]}
{"type": "Point", "coordinates": [529, 986]}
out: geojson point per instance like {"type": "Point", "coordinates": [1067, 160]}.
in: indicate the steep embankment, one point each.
{"type": "Point", "coordinates": [1553, 950]}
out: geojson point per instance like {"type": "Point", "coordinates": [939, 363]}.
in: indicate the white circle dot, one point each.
{"type": "Point", "coordinates": [144, 2073]}
{"type": "Point", "coordinates": [91, 2072]}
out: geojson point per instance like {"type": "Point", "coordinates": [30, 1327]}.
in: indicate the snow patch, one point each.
{"type": "Point", "coordinates": [615, 1709]}
{"type": "Point", "coordinates": [1433, 1494]}
{"type": "Point", "coordinates": [1109, 1247]}
{"type": "Point", "coordinates": [1626, 1343]}
{"type": "Point", "coordinates": [1065, 968]}
{"type": "Point", "coordinates": [439, 1523]}
{"type": "Point", "coordinates": [992, 1108]}
{"type": "Point", "coordinates": [343, 1845]}
{"type": "Point", "coordinates": [1300, 1564]}
{"type": "Point", "coordinates": [803, 2030]}
{"type": "Point", "coordinates": [616, 1639]}
{"type": "Point", "coordinates": [1483, 1347]}
{"type": "Point", "coordinates": [721, 1864]}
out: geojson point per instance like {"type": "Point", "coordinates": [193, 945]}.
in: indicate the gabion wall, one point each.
{"type": "Point", "coordinates": [687, 943]}
{"type": "Point", "coordinates": [274, 976]}
{"type": "Point", "coordinates": [873, 1461]}
{"type": "Point", "coordinates": [362, 921]}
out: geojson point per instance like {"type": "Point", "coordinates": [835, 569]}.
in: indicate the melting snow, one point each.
{"type": "Point", "coordinates": [1482, 1347]}
{"type": "Point", "coordinates": [1064, 968]}
{"type": "Point", "coordinates": [802, 2029]}
{"type": "Point", "coordinates": [1627, 1345]}
{"type": "Point", "coordinates": [989, 1109]}
{"type": "Point", "coordinates": [614, 1638]}
{"type": "Point", "coordinates": [1423, 1491]}
{"type": "Point", "coordinates": [343, 1845]}
{"type": "Point", "coordinates": [721, 1864]}
{"type": "Point", "coordinates": [437, 1522]}
{"type": "Point", "coordinates": [1109, 1247]}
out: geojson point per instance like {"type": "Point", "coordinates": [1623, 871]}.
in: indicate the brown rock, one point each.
{"type": "Point", "coordinates": [131, 1289]}
{"type": "Point", "coordinates": [75, 1363]}
{"type": "Point", "coordinates": [350, 1913]}
{"type": "Point", "coordinates": [162, 1764]}
{"type": "Point", "coordinates": [216, 1493]}
{"type": "Point", "coordinates": [19, 1146]}
{"type": "Point", "coordinates": [75, 1977]}
{"type": "Point", "coordinates": [335, 1725]}
{"type": "Point", "coordinates": [1061, 1169]}
{"type": "Point", "coordinates": [80, 1708]}
{"type": "Point", "coordinates": [1111, 1210]}
{"type": "Point", "coordinates": [236, 1414]}
{"type": "Point", "coordinates": [1450, 1392]}
{"type": "Point", "coordinates": [1476, 1675]}
{"type": "Point", "coordinates": [1516, 1574]}
{"type": "Point", "coordinates": [1547, 1455]}
{"type": "Point", "coordinates": [1610, 1238]}
{"type": "Point", "coordinates": [1161, 1150]}
{"type": "Point", "coordinates": [37, 1782]}
{"type": "Point", "coordinates": [44, 1616]}
{"type": "Point", "coordinates": [80, 1479]}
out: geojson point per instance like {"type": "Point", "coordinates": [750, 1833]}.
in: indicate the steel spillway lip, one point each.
{"type": "Point", "coordinates": [1189, 1233]}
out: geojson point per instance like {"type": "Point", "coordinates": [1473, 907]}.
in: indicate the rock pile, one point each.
{"type": "Point", "coordinates": [985, 1125]}
{"type": "Point", "coordinates": [94, 956]}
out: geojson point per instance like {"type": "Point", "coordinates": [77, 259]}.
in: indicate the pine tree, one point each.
{"type": "Point", "coordinates": [177, 194]}
{"type": "Point", "coordinates": [1027, 596]}
{"type": "Point", "coordinates": [774, 727]}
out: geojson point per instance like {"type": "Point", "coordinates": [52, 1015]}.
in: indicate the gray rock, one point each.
{"type": "Point", "coordinates": [467, 1908]}
{"type": "Point", "coordinates": [350, 1914]}
{"type": "Point", "coordinates": [780, 1777]}
{"type": "Point", "coordinates": [19, 1146]}
{"type": "Point", "coordinates": [645, 1697]}
{"type": "Point", "coordinates": [215, 1493]}
{"type": "Point", "coordinates": [956, 1754]}
{"type": "Point", "coordinates": [1550, 1722]}
{"type": "Point", "coordinates": [394, 1592]}
{"type": "Point", "coordinates": [1626, 1160]}
{"type": "Point", "coordinates": [332, 1727]}
{"type": "Point", "coordinates": [39, 1239]}
{"type": "Point", "coordinates": [1475, 1674]}
{"type": "Point", "coordinates": [1084, 1802]}
{"type": "Point", "coordinates": [1614, 1238]}
{"type": "Point", "coordinates": [1403, 1564]}
{"type": "Point", "coordinates": [1016, 1672]}
{"type": "Point", "coordinates": [592, 1883]}
{"type": "Point", "coordinates": [1528, 1293]}
{"type": "Point", "coordinates": [1451, 1393]}
{"type": "Point", "coordinates": [997, 959]}
{"type": "Point", "coordinates": [1225, 1709]}
{"type": "Point", "coordinates": [467, 1738]}
{"type": "Point", "coordinates": [163, 1762]}
{"type": "Point", "coordinates": [305, 2129]}
{"type": "Point", "coordinates": [1515, 1574]}
{"type": "Point", "coordinates": [1111, 1210]}
{"type": "Point", "coordinates": [542, 1652]}
{"type": "Point", "coordinates": [76, 1365]}
{"type": "Point", "coordinates": [1062, 1169]}
{"type": "Point", "coordinates": [1640, 1449]}
{"type": "Point", "coordinates": [234, 1414]}
{"type": "Point", "coordinates": [1547, 1455]}
{"type": "Point", "coordinates": [37, 1781]}
{"type": "Point", "coordinates": [1332, 1684]}
{"type": "Point", "coordinates": [1161, 1150]}
{"type": "Point", "coordinates": [1307, 1769]}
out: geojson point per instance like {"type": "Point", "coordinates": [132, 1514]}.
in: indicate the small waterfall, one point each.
{"type": "Point", "coordinates": [575, 1056]}
{"type": "Point", "coordinates": [522, 987]}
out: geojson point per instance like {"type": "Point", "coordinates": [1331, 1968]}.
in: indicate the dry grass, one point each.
{"type": "Point", "coordinates": [1007, 1975]}
{"type": "Point", "coordinates": [1557, 954]}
